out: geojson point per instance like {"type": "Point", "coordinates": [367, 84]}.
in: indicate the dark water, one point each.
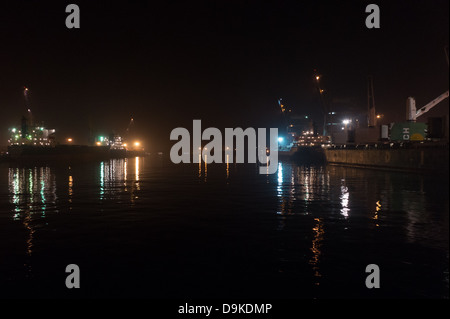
{"type": "Point", "coordinates": [147, 228]}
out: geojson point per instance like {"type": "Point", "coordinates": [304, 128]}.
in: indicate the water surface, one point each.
{"type": "Point", "coordinates": [144, 227]}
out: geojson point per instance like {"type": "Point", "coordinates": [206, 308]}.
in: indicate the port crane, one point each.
{"type": "Point", "coordinates": [130, 126]}
{"type": "Point", "coordinates": [412, 113]}
{"type": "Point", "coordinates": [325, 107]}
{"type": "Point", "coordinates": [411, 130]}
{"type": "Point", "coordinates": [286, 112]}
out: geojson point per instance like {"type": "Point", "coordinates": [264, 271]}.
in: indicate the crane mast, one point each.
{"type": "Point", "coordinates": [371, 117]}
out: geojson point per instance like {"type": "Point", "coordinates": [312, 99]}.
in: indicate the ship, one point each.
{"type": "Point", "coordinates": [301, 141]}
{"type": "Point", "coordinates": [402, 146]}
{"type": "Point", "coordinates": [413, 157]}
{"type": "Point", "coordinates": [304, 148]}
{"type": "Point", "coordinates": [34, 143]}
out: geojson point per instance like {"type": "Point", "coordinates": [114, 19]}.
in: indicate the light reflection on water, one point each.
{"type": "Point", "coordinates": [30, 189]}
{"type": "Point", "coordinates": [304, 184]}
{"type": "Point", "coordinates": [32, 193]}
{"type": "Point", "coordinates": [115, 178]}
{"type": "Point", "coordinates": [315, 210]}
{"type": "Point", "coordinates": [400, 205]}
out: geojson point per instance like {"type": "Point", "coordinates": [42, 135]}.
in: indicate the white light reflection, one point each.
{"type": "Point", "coordinates": [307, 186]}
{"type": "Point", "coordinates": [286, 188]}
{"type": "Point", "coordinates": [114, 177]}
{"type": "Point", "coordinates": [31, 192]}
{"type": "Point", "coordinates": [125, 173]}
{"type": "Point", "coordinates": [344, 199]}
{"type": "Point", "coordinates": [138, 187]}
{"type": "Point", "coordinates": [116, 180]}
{"type": "Point", "coordinates": [102, 180]}
{"type": "Point", "coordinates": [280, 187]}
{"type": "Point", "coordinates": [280, 174]}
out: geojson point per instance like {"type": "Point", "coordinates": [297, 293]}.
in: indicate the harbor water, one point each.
{"type": "Point", "coordinates": [145, 227]}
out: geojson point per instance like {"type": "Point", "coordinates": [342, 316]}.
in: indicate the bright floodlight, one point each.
{"type": "Point", "coordinates": [346, 122]}
{"type": "Point", "coordinates": [280, 140]}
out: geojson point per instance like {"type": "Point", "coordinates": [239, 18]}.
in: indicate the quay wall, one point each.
{"type": "Point", "coordinates": [425, 159]}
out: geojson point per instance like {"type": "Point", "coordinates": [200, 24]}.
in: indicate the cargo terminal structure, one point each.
{"type": "Point", "coordinates": [366, 139]}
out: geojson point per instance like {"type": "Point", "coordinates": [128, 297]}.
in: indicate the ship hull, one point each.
{"type": "Point", "coordinates": [63, 153]}
{"type": "Point", "coordinates": [423, 158]}
{"type": "Point", "coordinates": [310, 155]}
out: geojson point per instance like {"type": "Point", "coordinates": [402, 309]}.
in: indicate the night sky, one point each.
{"type": "Point", "coordinates": [224, 62]}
